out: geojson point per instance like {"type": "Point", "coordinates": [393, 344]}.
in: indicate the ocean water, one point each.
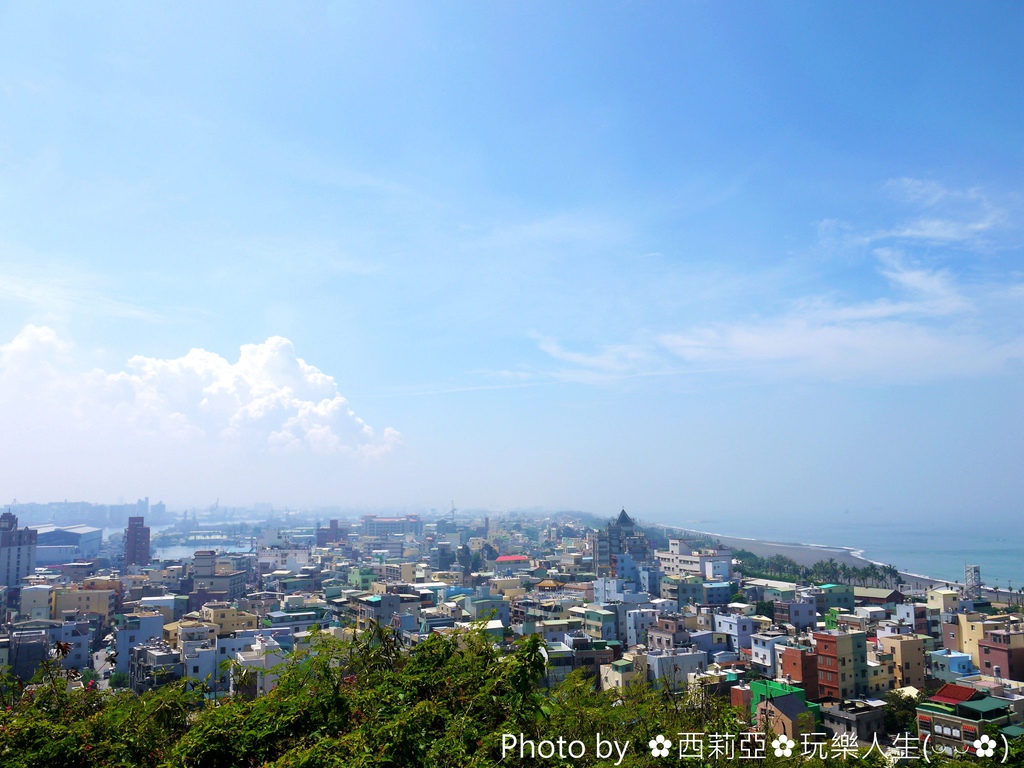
{"type": "Point", "coordinates": [934, 547]}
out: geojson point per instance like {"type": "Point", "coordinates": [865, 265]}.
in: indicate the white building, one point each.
{"type": "Point", "coordinates": [763, 653]}
{"type": "Point", "coordinates": [637, 622]}
{"type": "Point", "coordinates": [670, 668]}
{"type": "Point", "coordinates": [35, 602]}
{"type": "Point", "coordinates": [681, 560]}
{"type": "Point", "coordinates": [259, 676]}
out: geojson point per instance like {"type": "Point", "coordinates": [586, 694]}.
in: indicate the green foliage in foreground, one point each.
{"type": "Point", "coordinates": [364, 703]}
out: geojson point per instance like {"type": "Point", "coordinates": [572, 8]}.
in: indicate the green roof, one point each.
{"type": "Point", "coordinates": [1013, 731]}
{"type": "Point", "coordinates": [988, 704]}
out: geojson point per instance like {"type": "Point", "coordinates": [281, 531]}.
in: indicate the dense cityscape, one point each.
{"type": "Point", "coordinates": [511, 384]}
{"type": "Point", "coordinates": [614, 601]}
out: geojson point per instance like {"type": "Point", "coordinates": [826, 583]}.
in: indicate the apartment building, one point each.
{"type": "Point", "coordinates": [802, 615]}
{"type": "Point", "coordinates": [842, 663]}
{"type": "Point", "coordinates": [669, 632]}
{"type": "Point", "coordinates": [376, 609]}
{"type": "Point", "coordinates": [227, 618]}
{"type": "Point", "coordinates": [682, 560]}
{"type": "Point", "coordinates": [737, 628]}
{"type": "Point", "coordinates": [136, 542]}
{"type": "Point", "coordinates": [99, 603]}
{"type": "Point", "coordinates": [255, 667]}
{"type": "Point", "coordinates": [967, 631]}
{"type": "Point", "coordinates": [763, 648]}
{"type": "Point", "coordinates": [799, 664]}
{"type": "Point", "coordinates": [908, 657]}
{"type": "Point", "coordinates": [142, 627]}
{"type": "Point", "coordinates": [1001, 653]}
{"type": "Point", "coordinates": [152, 665]}
{"type": "Point", "coordinates": [17, 550]}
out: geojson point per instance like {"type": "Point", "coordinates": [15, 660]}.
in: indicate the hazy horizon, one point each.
{"type": "Point", "coordinates": [699, 261]}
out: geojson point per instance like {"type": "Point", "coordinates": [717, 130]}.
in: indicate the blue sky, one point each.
{"type": "Point", "coordinates": [698, 260]}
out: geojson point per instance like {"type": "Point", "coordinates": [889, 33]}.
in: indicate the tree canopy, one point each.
{"type": "Point", "coordinates": [454, 700]}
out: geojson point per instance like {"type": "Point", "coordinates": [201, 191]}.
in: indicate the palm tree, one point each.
{"type": "Point", "coordinates": [897, 578]}
{"type": "Point", "coordinates": [894, 575]}
{"type": "Point", "coordinates": [874, 573]}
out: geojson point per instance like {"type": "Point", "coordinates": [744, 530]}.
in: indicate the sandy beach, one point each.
{"type": "Point", "coordinates": [807, 554]}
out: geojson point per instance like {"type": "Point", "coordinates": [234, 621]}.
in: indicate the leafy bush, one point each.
{"type": "Point", "coordinates": [355, 704]}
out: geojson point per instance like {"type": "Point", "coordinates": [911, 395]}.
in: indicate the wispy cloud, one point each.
{"type": "Point", "coordinates": [926, 192]}
{"type": "Point", "coordinates": [882, 351]}
{"type": "Point", "coordinates": [914, 337]}
{"type": "Point", "coordinates": [63, 291]}
{"type": "Point", "coordinates": [940, 214]}
{"type": "Point", "coordinates": [926, 325]}
{"type": "Point", "coordinates": [928, 213]}
{"type": "Point", "coordinates": [617, 358]}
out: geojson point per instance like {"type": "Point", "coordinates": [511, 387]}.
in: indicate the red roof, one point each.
{"type": "Point", "coordinates": [953, 694]}
{"type": "Point", "coordinates": [511, 558]}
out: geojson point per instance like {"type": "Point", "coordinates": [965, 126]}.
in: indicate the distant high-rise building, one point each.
{"type": "Point", "coordinates": [136, 542]}
{"type": "Point", "coordinates": [17, 550]}
{"type": "Point", "coordinates": [332, 534]}
{"type": "Point", "coordinates": [204, 563]}
{"type": "Point", "coordinates": [619, 537]}
{"type": "Point", "coordinates": [387, 526]}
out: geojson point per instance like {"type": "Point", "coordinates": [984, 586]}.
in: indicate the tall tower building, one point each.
{"type": "Point", "coordinates": [619, 537]}
{"type": "Point", "coordinates": [17, 550]}
{"type": "Point", "coordinates": [136, 542]}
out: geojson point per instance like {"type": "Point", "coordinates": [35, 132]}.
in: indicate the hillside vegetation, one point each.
{"type": "Point", "coordinates": [449, 702]}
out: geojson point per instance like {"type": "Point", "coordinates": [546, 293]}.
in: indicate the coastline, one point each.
{"type": "Point", "coordinates": [809, 554]}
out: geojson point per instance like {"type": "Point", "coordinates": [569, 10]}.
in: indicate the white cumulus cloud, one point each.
{"type": "Point", "coordinates": [268, 401]}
